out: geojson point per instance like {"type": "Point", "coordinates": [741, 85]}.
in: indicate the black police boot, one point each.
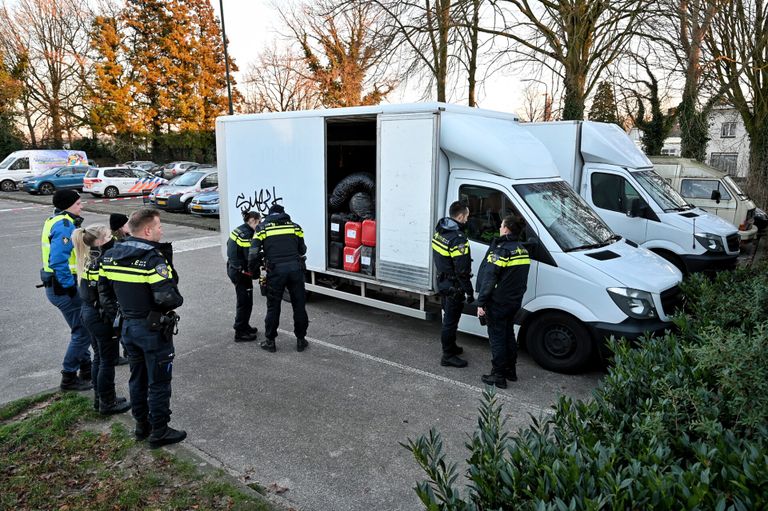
{"type": "Point", "coordinates": [494, 378]}
{"type": "Point", "coordinates": [269, 345]}
{"type": "Point", "coordinates": [85, 372]}
{"type": "Point", "coordinates": [142, 430]}
{"type": "Point", "coordinates": [453, 361]}
{"type": "Point", "coordinates": [117, 405]}
{"type": "Point", "coordinates": [70, 381]}
{"type": "Point", "coordinates": [511, 373]}
{"type": "Point", "coordinates": [252, 329]}
{"type": "Point", "coordinates": [456, 350]}
{"type": "Point", "coordinates": [245, 336]}
{"type": "Point", "coordinates": [166, 436]}
{"type": "Point", "coordinates": [301, 344]}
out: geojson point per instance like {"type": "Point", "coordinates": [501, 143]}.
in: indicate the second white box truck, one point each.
{"type": "Point", "coordinates": [585, 282]}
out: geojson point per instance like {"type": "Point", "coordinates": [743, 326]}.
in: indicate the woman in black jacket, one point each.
{"type": "Point", "coordinates": [238, 245]}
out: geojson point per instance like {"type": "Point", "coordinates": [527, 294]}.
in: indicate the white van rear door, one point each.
{"type": "Point", "coordinates": [406, 195]}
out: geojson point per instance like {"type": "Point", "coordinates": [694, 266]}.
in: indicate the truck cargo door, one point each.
{"type": "Point", "coordinates": [406, 197]}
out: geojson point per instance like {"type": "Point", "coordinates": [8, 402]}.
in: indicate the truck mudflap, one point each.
{"type": "Point", "coordinates": [708, 262]}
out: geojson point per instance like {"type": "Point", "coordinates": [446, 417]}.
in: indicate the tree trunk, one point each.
{"type": "Point", "coordinates": [573, 101]}
{"type": "Point", "coordinates": [443, 24]}
{"type": "Point", "coordinates": [757, 182]}
{"type": "Point", "coordinates": [473, 48]}
{"type": "Point", "coordinates": [694, 128]}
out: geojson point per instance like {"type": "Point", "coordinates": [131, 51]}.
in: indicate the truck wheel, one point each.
{"type": "Point", "coordinates": [674, 259]}
{"type": "Point", "coordinates": [111, 192]}
{"type": "Point", "coordinates": [8, 186]}
{"type": "Point", "coordinates": [46, 188]}
{"type": "Point", "coordinates": [559, 342]}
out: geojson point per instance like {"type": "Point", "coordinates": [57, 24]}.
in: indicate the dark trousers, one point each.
{"type": "Point", "coordinates": [244, 306]}
{"type": "Point", "coordinates": [77, 354]}
{"type": "Point", "coordinates": [151, 362]}
{"type": "Point", "coordinates": [106, 350]}
{"type": "Point", "coordinates": [501, 335]}
{"type": "Point", "coordinates": [451, 315]}
{"type": "Point", "coordinates": [276, 284]}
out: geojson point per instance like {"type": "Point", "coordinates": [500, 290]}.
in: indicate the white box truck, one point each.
{"type": "Point", "coordinates": [20, 164]}
{"type": "Point", "coordinates": [616, 179]}
{"type": "Point", "coordinates": [585, 282]}
{"type": "Point", "coordinates": [710, 189]}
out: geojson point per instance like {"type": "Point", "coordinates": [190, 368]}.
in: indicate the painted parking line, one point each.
{"type": "Point", "coordinates": [14, 210]}
{"type": "Point", "coordinates": [196, 244]}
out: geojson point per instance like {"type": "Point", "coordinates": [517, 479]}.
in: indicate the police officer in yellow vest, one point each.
{"type": "Point", "coordinates": [59, 276]}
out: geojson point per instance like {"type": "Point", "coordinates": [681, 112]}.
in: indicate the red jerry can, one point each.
{"type": "Point", "coordinates": [353, 234]}
{"type": "Point", "coordinates": [369, 233]}
{"type": "Point", "coordinates": [352, 259]}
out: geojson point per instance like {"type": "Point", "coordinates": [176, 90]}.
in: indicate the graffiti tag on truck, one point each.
{"type": "Point", "coordinates": [260, 200]}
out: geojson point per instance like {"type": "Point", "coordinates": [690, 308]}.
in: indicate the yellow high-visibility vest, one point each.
{"type": "Point", "coordinates": [45, 240]}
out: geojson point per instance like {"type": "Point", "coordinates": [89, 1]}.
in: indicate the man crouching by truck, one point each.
{"type": "Point", "coordinates": [138, 274]}
{"type": "Point", "coordinates": [450, 250]}
{"type": "Point", "coordinates": [278, 245]}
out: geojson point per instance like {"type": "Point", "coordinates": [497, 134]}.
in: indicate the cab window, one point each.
{"type": "Point", "coordinates": [612, 192]}
{"type": "Point", "coordinates": [487, 207]}
{"type": "Point", "coordinates": [20, 164]}
{"type": "Point", "coordinates": [702, 189]}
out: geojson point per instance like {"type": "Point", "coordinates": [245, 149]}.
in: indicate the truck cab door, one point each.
{"type": "Point", "coordinates": [703, 192]}
{"type": "Point", "coordinates": [610, 194]}
{"type": "Point", "coordinates": [489, 202]}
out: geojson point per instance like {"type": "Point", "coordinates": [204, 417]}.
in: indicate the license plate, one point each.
{"type": "Point", "coordinates": [197, 208]}
{"type": "Point", "coordinates": [161, 202]}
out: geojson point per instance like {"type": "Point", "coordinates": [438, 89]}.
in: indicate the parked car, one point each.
{"type": "Point", "coordinates": [113, 181]}
{"type": "Point", "coordinates": [57, 178]}
{"type": "Point", "coordinates": [205, 203]}
{"type": "Point", "coordinates": [178, 193]}
{"type": "Point", "coordinates": [23, 164]}
{"type": "Point", "coordinates": [176, 168]}
{"type": "Point", "coordinates": [140, 164]}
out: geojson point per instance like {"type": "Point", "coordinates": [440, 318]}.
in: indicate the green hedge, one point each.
{"type": "Point", "coordinates": [677, 423]}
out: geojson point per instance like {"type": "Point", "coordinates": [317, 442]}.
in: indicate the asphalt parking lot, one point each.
{"type": "Point", "coordinates": [325, 424]}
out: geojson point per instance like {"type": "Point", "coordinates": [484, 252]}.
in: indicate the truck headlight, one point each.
{"type": "Point", "coordinates": [711, 242]}
{"type": "Point", "coordinates": [633, 302]}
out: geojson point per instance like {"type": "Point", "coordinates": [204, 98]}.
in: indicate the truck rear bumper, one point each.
{"type": "Point", "coordinates": [704, 262]}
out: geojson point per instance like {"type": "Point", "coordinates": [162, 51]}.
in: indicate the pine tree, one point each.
{"type": "Point", "coordinates": [604, 105]}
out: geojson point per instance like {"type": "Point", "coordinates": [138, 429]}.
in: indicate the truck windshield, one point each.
{"type": "Point", "coordinates": [728, 179]}
{"type": "Point", "coordinates": [657, 187]}
{"type": "Point", "coordinates": [7, 161]}
{"type": "Point", "coordinates": [566, 216]}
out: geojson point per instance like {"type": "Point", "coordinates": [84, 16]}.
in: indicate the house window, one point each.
{"type": "Point", "coordinates": [724, 161]}
{"type": "Point", "coordinates": [728, 130]}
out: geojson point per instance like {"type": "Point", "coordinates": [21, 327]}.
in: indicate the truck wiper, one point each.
{"type": "Point", "coordinates": [589, 246]}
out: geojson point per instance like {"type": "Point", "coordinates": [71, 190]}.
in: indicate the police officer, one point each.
{"type": "Point", "coordinates": [138, 272]}
{"type": "Point", "coordinates": [278, 245]}
{"type": "Point", "coordinates": [90, 244]}
{"type": "Point", "coordinates": [118, 224]}
{"type": "Point", "coordinates": [501, 284]}
{"type": "Point", "coordinates": [238, 245]}
{"type": "Point", "coordinates": [450, 251]}
{"type": "Point", "coordinates": [59, 276]}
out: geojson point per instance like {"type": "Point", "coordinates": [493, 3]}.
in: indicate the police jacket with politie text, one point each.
{"type": "Point", "coordinates": [450, 251]}
{"type": "Point", "coordinates": [503, 275]}
{"type": "Point", "coordinates": [139, 275]}
{"type": "Point", "coordinates": [278, 244]}
{"type": "Point", "coordinates": [238, 246]}
{"type": "Point", "coordinates": [89, 280]}
{"type": "Point", "coordinates": [58, 255]}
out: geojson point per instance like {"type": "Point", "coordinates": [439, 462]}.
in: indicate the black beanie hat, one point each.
{"type": "Point", "coordinates": [63, 199]}
{"type": "Point", "coordinates": [276, 209]}
{"type": "Point", "coordinates": [117, 220]}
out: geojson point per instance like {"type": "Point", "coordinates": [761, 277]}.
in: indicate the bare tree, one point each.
{"type": "Point", "coordinates": [277, 83]}
{"type": "Point", "coordinates": [740, 49]}
{"type": "Point", "coordinates": [52, 36]}
{"type": "Point", "coordinates": [577, 40]}
{"type": "Point", "coordinates": [534, 107]}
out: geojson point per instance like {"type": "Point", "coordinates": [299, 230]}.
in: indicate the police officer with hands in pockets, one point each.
{"type": "Point", "coordinates": [450, 252]}
{"type": "Point", "coordinates": [138, 276]}
{"type": "Point", "coordinates": [238, 246]}
{"type": "Point", "coordinates": [501, 284]}
{"type": "Point", "coordinates": [59, 276]}
{"type": "Point", "coordinates": [278, 245]}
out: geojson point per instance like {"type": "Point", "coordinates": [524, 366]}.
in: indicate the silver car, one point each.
{"type": "Point", "coordinates": [178, 193]}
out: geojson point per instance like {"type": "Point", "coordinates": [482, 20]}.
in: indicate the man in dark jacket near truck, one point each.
{"type": "Point", "coordinates": [238, 245]}
{"type": "Point", "coordinates": [450, 251]}
{"type": "Point", "coordinates": [501, 284]}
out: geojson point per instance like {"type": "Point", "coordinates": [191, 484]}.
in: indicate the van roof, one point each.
{"type": "Point", "coordinates": [692, 168]}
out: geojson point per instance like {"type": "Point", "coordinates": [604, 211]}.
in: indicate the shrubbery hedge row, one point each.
{"type": "Point", "coordinates": [678, 422]}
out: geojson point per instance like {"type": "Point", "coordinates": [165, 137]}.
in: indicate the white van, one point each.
{"type": "Point", "coordinates": [585, 282]}
{"type": "Point", "coordinates": [710, 189]}
{"type": "Point", "coordinates": [20, 164]}
{"type": "Point", "coordinates": [601, 162]}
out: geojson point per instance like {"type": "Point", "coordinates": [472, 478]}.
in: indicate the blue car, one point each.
{"type": "Point", "coordinates": [205, 203]}
{"type": "Point", "coordinates": [57, 178]}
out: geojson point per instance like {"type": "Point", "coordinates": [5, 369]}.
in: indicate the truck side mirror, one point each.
{"type": "Point", "coordinates": [716, 196]}
{"type": "Point", "coordinates": [636, 208]}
